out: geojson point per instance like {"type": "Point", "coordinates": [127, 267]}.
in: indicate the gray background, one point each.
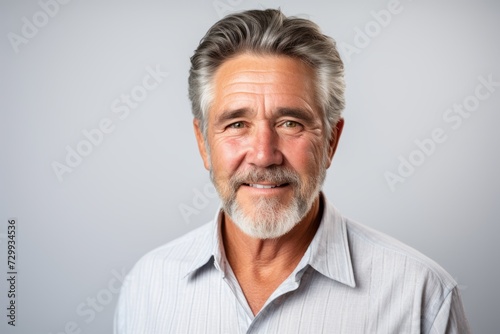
{"type": "Point", "coordinates": [126, 197]}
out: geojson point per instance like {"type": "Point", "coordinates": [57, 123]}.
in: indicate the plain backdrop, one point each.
{"type": "Point", "coordinates": [67, 69]}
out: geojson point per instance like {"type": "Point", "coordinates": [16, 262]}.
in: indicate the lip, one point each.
{"type": "Point", "coordinates": [264, 185]}
{"type": "Point", "coordinates": [265, 188]}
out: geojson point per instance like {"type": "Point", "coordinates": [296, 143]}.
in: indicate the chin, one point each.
{"type": "Point", "coordinates": [270, 219]}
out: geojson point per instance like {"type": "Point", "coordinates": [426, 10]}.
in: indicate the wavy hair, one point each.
{"type": "Point", "coordinates": [268, 32]}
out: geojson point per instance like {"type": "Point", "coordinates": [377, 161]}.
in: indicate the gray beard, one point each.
{"type": "Point", "coordinates": [270, 218]}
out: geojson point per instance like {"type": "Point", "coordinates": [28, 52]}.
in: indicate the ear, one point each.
{"type": "Point", "coordinates": [336, 132]}
{"type": "Point", "coordinates": [201, 143]}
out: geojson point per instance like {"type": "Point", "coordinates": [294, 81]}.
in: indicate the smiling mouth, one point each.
{"type": "Point", "coordinates": [265, 186]}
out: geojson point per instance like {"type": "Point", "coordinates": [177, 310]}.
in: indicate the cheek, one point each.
{"type": "Point", "coordinates": [305, 156]}
{"type": "Point", "coordinates": [227, 155]}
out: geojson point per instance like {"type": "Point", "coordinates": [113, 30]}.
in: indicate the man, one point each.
{"type": "Point", "coordinates": [267, 93]}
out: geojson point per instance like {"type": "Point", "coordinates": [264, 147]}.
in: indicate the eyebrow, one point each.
{"type": "Point", "coordinates": [228, 115]}
{"type": "Point", "coordinates": [299, 113]}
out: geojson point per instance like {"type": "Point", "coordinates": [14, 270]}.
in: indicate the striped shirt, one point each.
{"type": "Point", "coordinates": [351, 279]}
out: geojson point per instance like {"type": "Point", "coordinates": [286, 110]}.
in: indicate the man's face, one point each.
{"type": "Point", "coordinates": [268, 152]}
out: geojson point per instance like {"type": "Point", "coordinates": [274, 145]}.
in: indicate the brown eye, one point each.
{"type": "Point", "coordinates": [290, 124]}
{"type": "Point", "coordinates": [237, 125]}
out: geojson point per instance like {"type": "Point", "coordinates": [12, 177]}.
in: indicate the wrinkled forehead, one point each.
{"type": "Point", "coordinates": [265, 67]}
{"type": "Point", "coordinates": [280, 79]}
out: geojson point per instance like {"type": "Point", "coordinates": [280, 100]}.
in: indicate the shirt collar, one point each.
{"type": "Point", "coordinates": [328, 252]}
{"type": "Point", "coordinates": [212, 248]}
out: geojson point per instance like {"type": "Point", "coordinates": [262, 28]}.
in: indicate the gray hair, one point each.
{"type": "Point", "coordinates": [268, 32]}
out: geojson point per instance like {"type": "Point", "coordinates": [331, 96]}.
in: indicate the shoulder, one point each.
{"type": "Point", "coordinates": [177, 254]}
{"type": "Point", "coordinates": [158, 276]}
{"type": "Point", "coordinates": [393, 271]}
{"type": "Point", "coordinates": [394, 256]}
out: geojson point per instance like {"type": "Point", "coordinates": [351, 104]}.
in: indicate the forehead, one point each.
{"type": "Point", "coordinates": [269, 67]}
{"type": "Point", "coordinates": [250, 77]}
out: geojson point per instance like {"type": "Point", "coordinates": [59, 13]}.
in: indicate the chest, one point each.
{"type": "Point", "coordinates": [315, 304]}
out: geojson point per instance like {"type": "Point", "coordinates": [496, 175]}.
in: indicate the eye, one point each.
{"type": "Point", "coordinates": [236, 125]}
{"type": "Point", "coordinates": [290, 124]}
{"type": "Point", "coordinates": [291, 127]}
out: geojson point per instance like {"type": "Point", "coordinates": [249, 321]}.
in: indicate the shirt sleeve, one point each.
{"type": "Point", "coordinates": [451, 318]}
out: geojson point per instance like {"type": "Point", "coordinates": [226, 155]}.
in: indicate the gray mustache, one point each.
{"type": "Point", "coordinates": [278, 175]}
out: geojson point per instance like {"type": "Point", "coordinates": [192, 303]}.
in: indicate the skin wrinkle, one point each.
{"type": "Point", "coordinates": [303, 75]}
{"type": "Point", "coordinates": [265, 127]}
{"type": "Point", "coordinates": [301, 114]}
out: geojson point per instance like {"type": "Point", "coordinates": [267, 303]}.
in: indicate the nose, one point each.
{"type": "Point", "coordinates": [264, 147]}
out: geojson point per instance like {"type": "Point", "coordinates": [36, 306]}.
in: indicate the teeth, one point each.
{"type": "Point", "coordinates": [264, 186]}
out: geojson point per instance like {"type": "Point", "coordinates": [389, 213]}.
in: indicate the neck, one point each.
{"type": "Point", "coordinates": [259, 263]}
